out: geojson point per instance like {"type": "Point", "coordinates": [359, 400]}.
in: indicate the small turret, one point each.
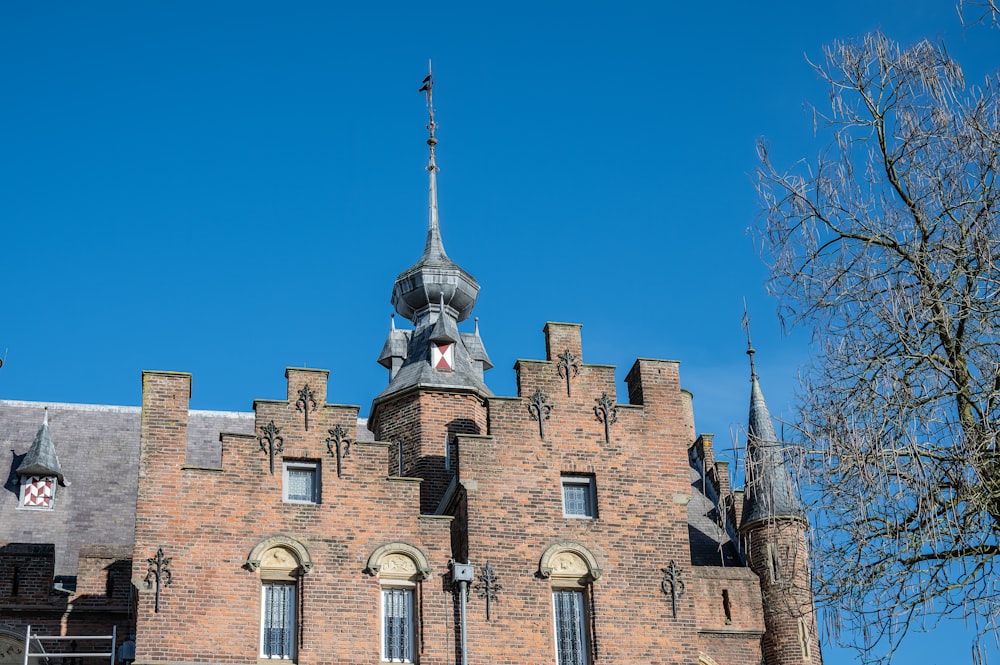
{"type": "Point", "coordinates": [435, 294]}
{"type": "Point", "coordinates": [773, 530]}
{"type": "Point", "coordinates": [39, 470]}
{"type": "Point", "coordinates": [769, 490]}
{"type": "Point", "coordinates": [41, 459]}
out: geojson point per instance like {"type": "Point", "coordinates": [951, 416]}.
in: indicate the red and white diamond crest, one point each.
{"type": "Point", "coordinates": [442, 356]}
{"type": "Point", "coordinates": [38, 492]}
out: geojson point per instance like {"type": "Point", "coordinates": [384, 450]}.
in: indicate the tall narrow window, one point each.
{"type": "Point", "coordinates": [570, 624]}
{"type": "Point", "coordinates": [572, 571]}
{"type": "Point", "coordinates": [397, 625]}
{"type": "Point", "coordinates": [278, 621]}
{"type": "Point", "coordinates": [280, 561]}
{"type": "Point", "coordinates": [400, 568]}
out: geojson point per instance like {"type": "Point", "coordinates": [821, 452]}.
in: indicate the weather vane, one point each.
{"type": "Point", "coordinates": [750, 350]}
{"type": "Point", "coordinates": [428, 88]}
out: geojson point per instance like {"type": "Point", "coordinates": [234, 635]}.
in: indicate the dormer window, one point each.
{"type": "Point", "coordinates": [37, 492]}
{"type": "Point", "coordinates": [443, 356]}
{"type": "Point", "coordinates": [39, 471]}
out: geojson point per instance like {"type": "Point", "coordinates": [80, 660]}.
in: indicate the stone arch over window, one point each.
{"type": "Point", "coordinates": [399, 561]}
{"type": "Point", "coordinates": [280, 562]}
{"type": "Point", "coordinates": [11, 647]}
{"type": "Point", "coordinates": [569, 563]}
{"type": "Point", "coordinates": [705, 659]}
{"type": "Point", "coordinates": [400, 568]}
{"type": "Point", "coordinates": [279, 553]}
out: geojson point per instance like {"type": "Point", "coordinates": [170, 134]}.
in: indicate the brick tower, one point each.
{"type": "Point", "coordinates": [436, 388]}
{"type": "Point", "coordinates": [774, 536]}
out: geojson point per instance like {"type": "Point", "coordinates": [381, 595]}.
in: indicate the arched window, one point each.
{"type": "Point", "coordinates": [571, 569]}
{"type": "Point", "coordinates": [400, 568]}
{"type": "Point", "coordinates": [280, 562]}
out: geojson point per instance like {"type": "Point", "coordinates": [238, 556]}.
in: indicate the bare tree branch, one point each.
{"type": "Point", "coordinates": [887, 246]}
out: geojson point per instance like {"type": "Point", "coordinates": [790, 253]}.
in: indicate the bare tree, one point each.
{"type": "Point", "coordinates": [973, 12]}
{"type": "Point", "coordinates": [887, 247]}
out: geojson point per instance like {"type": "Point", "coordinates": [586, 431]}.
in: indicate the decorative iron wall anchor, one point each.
{"type": "Point", "coordinates": [338, 445]}
{"type": "Point", "coordinates": [158, 573]}
{"type": "Point", "coordinates": [488, 586]}
{"type": "Point", "coordinates": [306, 402]}
{"type": "Point", "coordinates": [539, 408]}
{"type": "Point", "coordinates": [607, 413]}
{"type": "Point", "coordinates": [275, 443]}
{"type": "Point", "coordinates": [672, 584]}
{"type": "Point", "coordinates": [568, 368]}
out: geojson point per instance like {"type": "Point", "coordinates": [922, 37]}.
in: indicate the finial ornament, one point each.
{"type": "Point", "coordinates": [428, 88]}
{"type": "Point", "coordinates": [750, 350]}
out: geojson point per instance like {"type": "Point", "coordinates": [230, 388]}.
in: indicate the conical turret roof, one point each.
{"type": "Point", "coordinates": [769, 490]}
{"type": "Point", "coordinates": [41, 459]}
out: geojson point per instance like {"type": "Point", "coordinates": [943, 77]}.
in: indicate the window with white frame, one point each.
{"type": "Point", "coordinates": [277, 623]}
{"type": "Point", "coordinates": [570, 626]}
{"type": "Point", "coordinates": [572, 570]}
{"type": "Point", "coordinates": [37, 492]}
{"type": "Point", "coordinates": [301, 482]}
{"type": "Point", "coordinates": [280, 561]}
{"type": "Point", "coordinates": [579, 496]}
{"type": "Point", "coordinates": [397, 624]}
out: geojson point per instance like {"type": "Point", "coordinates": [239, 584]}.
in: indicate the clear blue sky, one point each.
{"type": "Point", "coordinates": [230, 188]}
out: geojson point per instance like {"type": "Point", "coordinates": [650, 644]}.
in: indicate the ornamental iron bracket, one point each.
{"type": "Point", "coordinates": [539, 409]}
{"type": "Point", "coordinates": [568, 368]}
{"type": "Point", "coordinates": [158, 573]}
{"type": "Point", "coordinates": [672, 584]}
{"type": "Point", "coordinates": [488, 586]}
{"type": "Point", "coordinates": [275, 442]}
{"type": "Point", "coordinates": [607, 413]}
{"type": "Point", "coordinates": [338, 445]}
{"type": "Point", "coordinates": [306, 402]}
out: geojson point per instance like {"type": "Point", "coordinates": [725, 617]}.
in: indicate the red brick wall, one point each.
{"type": "Point", "coordinates": [209, 521]}
{"type": "Point", "coordinates": [512, 482]}
{"type": "Point", "coordinates": [422, 420]}
{"type": "Point", "coordinates": [787, 600]}
{"type": "Point", "coordinates": [736, 640]}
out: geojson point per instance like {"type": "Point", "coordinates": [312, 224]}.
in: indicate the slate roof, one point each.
{"type": "Point", "coordinates": [769, 490]}
{"type": "Point", "coordinates": [417, 371]}
{"type": "Point", "coordinates": [712, 543]}
{"type": "Point", "coordinates": [98, 447]}
{"type": "Point", "coordinates": [41, 458]}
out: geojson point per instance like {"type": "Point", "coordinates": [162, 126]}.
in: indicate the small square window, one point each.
{"type": "Point", "coordinates": [301, 482]}
{"type": "Point", "coordinates": [579, 496]}
{"type": "Point", "coordinates": [37, 492]}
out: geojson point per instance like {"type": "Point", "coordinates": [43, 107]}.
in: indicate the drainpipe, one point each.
{"type": "Point", "coordinates": [463, 574]}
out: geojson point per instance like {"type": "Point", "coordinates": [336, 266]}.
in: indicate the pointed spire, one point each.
{"type": "Point", "coordinates": [434, 247]}
{"type": "Point", "coordinates": [41, 459]}
{"type": "Point", "coordinates": [769, 490]}
{"type": "Point", "coordinates": [417, 288]}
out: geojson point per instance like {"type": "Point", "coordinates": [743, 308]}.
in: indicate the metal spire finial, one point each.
{"type": "Point", "coordinates": [434, 248]}
{"type": "Point", "coordinates": [428, 88]}
{"type": "Point", "coordinates": [750, 349]}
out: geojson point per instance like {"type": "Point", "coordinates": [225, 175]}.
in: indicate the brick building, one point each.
{"type": "Point", "coordinates": [558, 525]}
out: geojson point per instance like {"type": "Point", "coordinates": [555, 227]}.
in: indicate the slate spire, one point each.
{"type": "Point", "coordinates": [435, 294]}
{"type": "Point", "coordinates": [41, 459]}
{"type": "Point", "coordinates": [419, 289]}
{"type": "Point", "coordinates": [769, 490]}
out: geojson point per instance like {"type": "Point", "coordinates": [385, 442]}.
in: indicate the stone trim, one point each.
{"type": "Point", "coordinates": [285, 542]}
{"type": "Point", "coordinates": [545, 565]}
{"type": "Point", "coordinates": [420, 561]}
